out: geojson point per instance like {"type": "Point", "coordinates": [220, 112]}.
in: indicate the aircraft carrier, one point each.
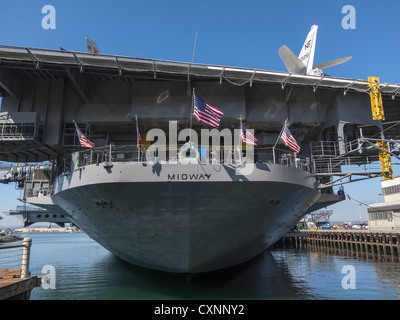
{"type": "Point", "coordinates": [230, 200]}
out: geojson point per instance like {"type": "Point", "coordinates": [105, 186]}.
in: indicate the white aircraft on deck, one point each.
{"type": "Point", "coordinates": [304, 63]}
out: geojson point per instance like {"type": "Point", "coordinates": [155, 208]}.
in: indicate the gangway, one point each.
{"type": "Point", "coordinates": [320, 216]}
{"type": "Point", "coordinates": [31, 215]}
{"type": "Point", "coordinates": [364, 158]}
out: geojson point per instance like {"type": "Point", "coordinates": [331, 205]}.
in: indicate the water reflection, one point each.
{"type": "Point", "coordinates": [260, 278]}
{"type": "Point", "coordinates": [85, 270]}
{"type": "Point", "coordinates": [323, 271]}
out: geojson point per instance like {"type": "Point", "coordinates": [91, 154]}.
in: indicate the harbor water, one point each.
{"type": "Point", "coordinates": [80, 269]}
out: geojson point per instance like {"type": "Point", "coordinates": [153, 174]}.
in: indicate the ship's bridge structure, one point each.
{"type": "Point", "coordinates": [337, 122]}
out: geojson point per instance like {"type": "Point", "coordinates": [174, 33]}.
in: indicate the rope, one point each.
{"type": "Point", "coordinates": [236, 84]}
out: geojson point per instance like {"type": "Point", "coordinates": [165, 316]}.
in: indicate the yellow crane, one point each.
{"type": "Point", "coordinates": [378, 114]}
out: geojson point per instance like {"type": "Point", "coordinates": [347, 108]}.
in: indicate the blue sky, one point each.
{"type": "Point", "coordinates": [232, 33]}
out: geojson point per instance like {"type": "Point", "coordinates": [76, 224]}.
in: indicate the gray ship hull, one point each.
{"type": "Point", "coordinates": [185, 218]}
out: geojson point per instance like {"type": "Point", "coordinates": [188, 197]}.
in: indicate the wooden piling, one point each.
{"type": "Point", "coordinates": [382, 246]}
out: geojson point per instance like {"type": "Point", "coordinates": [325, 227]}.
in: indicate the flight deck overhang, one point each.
{"type": "Point", "coordinates": [103, 93]}
{"type": "Point", "coordinates": [46, 63]}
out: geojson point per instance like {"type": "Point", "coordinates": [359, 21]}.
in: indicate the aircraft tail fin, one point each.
{"type": "Point", "coordinates": [306, 55]}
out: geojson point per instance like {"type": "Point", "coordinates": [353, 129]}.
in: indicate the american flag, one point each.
{"type": "Point", "coordinates": [138, 137]}
{"type": "Point", "coordinates": [85, 142]}
{"type": "Point", "coordinates": [206, 113]}
{"type": "Point", "coordinates": [247, 137]}
{"type": "Point", "coordinates": [289, 140]}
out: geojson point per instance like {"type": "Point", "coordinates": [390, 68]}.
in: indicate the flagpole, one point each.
{"type": "Point", "coordinates": [75, 134]}
{"type": "Point", "coordinates": [276, 142]}
{"type": "Point", "coordinates": [241, 121]}
{"type": "Point", "coordinates": [137, 137]}
{"type": "Point", "coordinates": [240, 139]}
{"type": "Point", "coordinates": [191, 115]}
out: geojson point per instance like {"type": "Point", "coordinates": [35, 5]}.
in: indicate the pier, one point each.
{"type": "Point", "coordinates": [16, 283]}
{"type": "Point", "coordinates": [381, 246]}
{"type": "Point", "coordinates": [292, 239]}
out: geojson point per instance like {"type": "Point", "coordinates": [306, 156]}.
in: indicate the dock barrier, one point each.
{"type": "Point", "coordinates": [381, 246]}
{"type": "Point", "coordinates": [16, 282]}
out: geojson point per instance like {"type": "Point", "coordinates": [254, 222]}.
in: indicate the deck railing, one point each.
{"type": "Point", "coordinates": [206, 155]}
{"type": "Point", "coordinates": [329, 163]}
{"type": "Point", "coordinates": [17, 131]}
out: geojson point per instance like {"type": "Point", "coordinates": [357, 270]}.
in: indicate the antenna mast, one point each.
{"type": "Point", "coordinates": [194, 48]}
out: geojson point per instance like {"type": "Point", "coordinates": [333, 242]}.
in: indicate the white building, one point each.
{"type": "Point", "coordinates": [385, 216]}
